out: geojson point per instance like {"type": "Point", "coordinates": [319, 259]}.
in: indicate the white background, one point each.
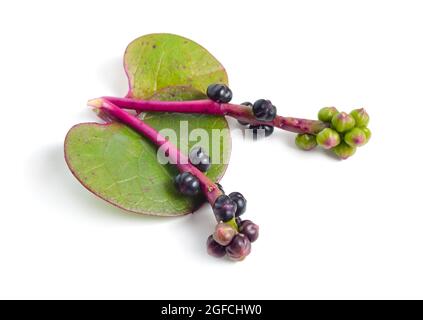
{"type": "Point", "coordinates": [329, 229]}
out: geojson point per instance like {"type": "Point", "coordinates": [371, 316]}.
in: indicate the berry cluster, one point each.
{"type": "Point", "coordinates": [219, 93]}
{"type": "Point", "coordinates": [338, 131]}
{"type": "Point", "coordinates": [262, 109]}
{"type": "Point", "coordinates": [187, 183]}
{"type": "Point", "coordinates": [345, 132]}
{"type": "Point", "coordinates": [232, 235]}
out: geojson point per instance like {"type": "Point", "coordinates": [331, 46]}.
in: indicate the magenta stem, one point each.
{"type": "Point", "coordinates": [108, 109]}
{"type": "Point", "coordinates": [196, 106]}
{"type": "Point", "coordinates": [239, 112]}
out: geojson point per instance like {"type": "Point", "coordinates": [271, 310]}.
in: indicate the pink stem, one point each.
{"type": "Point", "coordinates": [239, 112]}
{"type": "Point", "coordinates": [107, 109]}
{"type": "Point", "coordinates": [196, 106]}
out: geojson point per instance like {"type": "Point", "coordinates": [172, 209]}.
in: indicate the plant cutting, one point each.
{"type": "Point", "coordinates": [174, 81]}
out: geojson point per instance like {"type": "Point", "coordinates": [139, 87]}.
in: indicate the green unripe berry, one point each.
{"type": "Point", "coordinates": [344, 151]}
{"type": "Point", "coordinates": [343, 122]}
{"type": "Point", "coordinates": [326, 114]}
{"type": "Point", "coordinates": [305, 141]}
{"type": "Point", "coordinates": [367, 132]}
{"type": "Point", "coordinates": [355, 137]}
{"type": "Point", "coordinates": [328, 138]}
{"type": "Point", "coordinates": [361, 117]}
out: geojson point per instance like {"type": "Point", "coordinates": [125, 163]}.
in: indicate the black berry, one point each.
{"type": "Point", "coordinates": [219, 93]}
{"type": "Point", "coordinates": [241, 203]}
{"type": "Point", "coordinates": [199, 159]}
{"type": "Point", "coordinates": [264, 110]}
{"type": "Point", "coordinates": [187, 184]}
{"type": "Point", "coordinates": [257, 130]}
{"type": "Point", "coordinates": [214, 249]}
{"type": "Point", "coordinates": [239, 248]}
{"type": "Point", "coordinates": [249, 229]}
{"type": "Point", "coordinates": [224, 208]}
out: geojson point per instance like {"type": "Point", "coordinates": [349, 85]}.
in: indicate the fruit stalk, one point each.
{"type": "Point", "coordinates": [108, 110]}
{"type": "Point", "coordinates": [239, 112]}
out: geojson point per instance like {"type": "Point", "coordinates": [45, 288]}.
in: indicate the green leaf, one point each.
{"type": "Point", "coordinates": [155, 61]}
{"type": "Point", "coordinates": [115, 163]}
{"type": "Point", "coordinates": [119, 165]}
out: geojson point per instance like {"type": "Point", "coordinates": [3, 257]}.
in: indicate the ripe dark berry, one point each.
{"type": "Point", "coordinates": [247, 104]}
{"type": "Point", "coordinates": [264, 110]}
{"type": "Point", "coordinates": [258, 130]}
{"type": "Point", "coordinates": [219, 93]}
{"type": "Point", "coordinates": [241, 203]}
{"type": "Point", "coordinates": [199, 159]}
{"type": "Point", "coordinates": [249, 229]}
{"type": "Point", "coordinates": [187, 183]}
{"type": "Point", "coordinates": [239, 248]}
{"type": "Point", "coordinates": [214, 249]}
{"type": "Point", "coordinates": [224, 208]}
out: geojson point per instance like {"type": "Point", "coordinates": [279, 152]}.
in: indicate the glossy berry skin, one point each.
{"type": "Point", "coordinates": [250, 230]}
{"type": "Point", "coordinates": [343, 122]}
{"type": "Point", "coordinates": [219, 93]}
{"type": "Point", "coordinates": [344, 151]}
{"type": "Point", "coordinates": [258, 130]}
{"type": "Point", "coordinates": [306, 141]}
{"type": "Point", "coordinates": [328, 138]}
{"type": "Point", "coordinates": [224, 208]}
{"type": "Point", "coordinates": [239, 248]}
{"type": "Point", "coordinates": [361, 117]}
{"type": "Point", "coordinates": [214, 249]}
{"type": "Point", "coordinates": [264, 110]}
{"type": "Point", "coordinates": [241, 203]}
{"type": "Point", "coordinates": [367, 132]}
{"type": "Point", "coordinates": [199, 159]}
{"type": "Point", "coordinates": [224, 233]}
{"type": "Point", "coordinates": [326, 114]}
{"type": "Point", "coordinates": [355, 137]}
{"type": "Point", "coordinates": [187, 184]}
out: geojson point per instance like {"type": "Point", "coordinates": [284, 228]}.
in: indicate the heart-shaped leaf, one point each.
{"type": "Point", "coordinates": [121, 166]}
{"type": "Point", "coordinates": [118, 165]}
{"type": "Point", "coordinates": [156, 61]}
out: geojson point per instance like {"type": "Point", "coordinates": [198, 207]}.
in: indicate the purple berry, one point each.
{"type": "Point", "coordinates": [241, 203]}
{"type": "Point", "coordinates": [224, 208]}
{"type": "Point", "coordinates": [259, 129]}
{"type": "Point", "coordinates": [187, 184]}
{"type": "Point", "coordinates": [250, 230]}
{"type": "Point", "coordinates": [224, 233]}
{"type": "Point", "coordinates": [219, 93]}
{"type": "Point", "coordinates": [214, 249]}
{"type": "Point", "coordinates": [239, 248]}
{"type": "Point", "coordinates": [264, 110]}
